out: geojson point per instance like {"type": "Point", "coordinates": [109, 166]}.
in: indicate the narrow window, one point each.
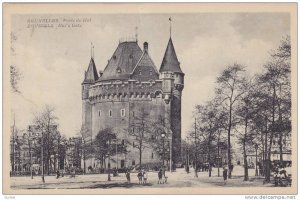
{"type": "Point", "coordinates": [133, 144]}
{"type": "Point", "coordinates": [110, 113]}
{"type": "Point", "coordinates": [152, 156]}
{"type": "Point", "coordinates": [122, 112]}
{"type": "Point", "coordinates": [133, 162]}
{"type": "Point", "coordinates": [132, 114]}
{"type": "Point", "coordinates": [99, 113]}
{"type": "Point", "coordinates": [123, 142]}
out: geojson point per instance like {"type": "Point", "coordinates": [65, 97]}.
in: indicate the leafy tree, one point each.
{"type": "Point", "coordinates": [106, 144]}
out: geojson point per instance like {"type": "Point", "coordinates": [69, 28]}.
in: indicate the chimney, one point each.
{"type": "Point", "coordinates": [146, 46]}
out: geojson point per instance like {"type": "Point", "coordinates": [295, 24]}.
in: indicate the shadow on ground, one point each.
{"type": "Point", "coordinates": [114, 185]}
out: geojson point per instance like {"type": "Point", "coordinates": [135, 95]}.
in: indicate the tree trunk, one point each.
{"type": "Point", "coordinates": [246, 177]}
{"type": "Point", "coordinates": [268, 171]}
{"type": "Point", "coordinates": [140, 150]}
{"type": "Point", "coordinates": [209, 159]}
{"type": "Point", "coordinates": [229, 144]}
{"type": "Point", "coordinates": [219, 155]}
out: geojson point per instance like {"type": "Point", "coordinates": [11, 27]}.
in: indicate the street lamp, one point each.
{"type": "Point", "coordinates": [163, 135]}
{"type": "Point", "coordinates": [256, 147]}
{"type": "Point", "coordinates": [108, 174]}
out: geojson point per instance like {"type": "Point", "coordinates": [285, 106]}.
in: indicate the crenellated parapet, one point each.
{"type": "Point", "coordinates": [122, 90]}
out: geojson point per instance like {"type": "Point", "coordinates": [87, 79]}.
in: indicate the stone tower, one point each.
{"type": "Point", "coordinates": [90, 77]}
{"type": "Point", "coordinates": [173, 83]}
{"type": "Point", "coordinates": [130, 83]}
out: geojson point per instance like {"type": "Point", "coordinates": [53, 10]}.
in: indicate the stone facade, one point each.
{"type": "Point", "coordinates": [130, 83]}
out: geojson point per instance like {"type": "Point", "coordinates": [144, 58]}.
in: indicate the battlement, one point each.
{"type": "Point", "coordinates": [117, 90]}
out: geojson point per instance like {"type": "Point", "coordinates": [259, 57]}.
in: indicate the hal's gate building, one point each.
{"type": "Point", "coordinates": [129, 83]}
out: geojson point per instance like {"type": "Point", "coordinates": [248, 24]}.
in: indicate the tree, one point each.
{"type": "Point", "coordinates": [274, 101]}
{"type": "Point", "coordinates": [140, 131]}
{"type": "Point", "coordinates": [162, 125]}
{"type": "Point", "coordinates": [244, 118]}
{"type": "Point", "coordinates": [87, 147]}
{"type": "Point", "coordinates": [229, 90]}
{"type": "Point", "coordinates": [104, 146]}
{"type": "Point", "coordinates": [45, 123]}
{"type": "Point", "coordinates": [15, 77]}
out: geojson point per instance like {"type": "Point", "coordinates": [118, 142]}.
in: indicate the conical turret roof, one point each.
{"type": "Point", "coordinates": [170, 61]}
{"type": "Point", "coordinates": [91, 74]}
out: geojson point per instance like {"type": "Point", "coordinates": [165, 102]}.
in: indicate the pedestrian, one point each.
{"type": "Point", "coordinates": [160, 174]}
{"type": "Point", "coordinates": [231, 168]}
{"type": "Point", "coordinates": [196, 171]}
{"type": "Point", "coordinates": [140, 175]}
{"type": "Point", "coordinates": [187, 169]}
{"type": "Point", "coordinates": [225, 174]}
{"type": "Point", "coordinates": [276, 176]}
{"type": "Point", "coordinates": [145, 177]}
{"type": "Point", "coordinates": [128, 176]}
{"type": "Point", "coordinates": [57, 174]}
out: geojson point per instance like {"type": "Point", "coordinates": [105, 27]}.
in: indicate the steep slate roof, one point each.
{"type": "Point", "coordinates": [170, 61]}
{"type": "Point", "coordinates": [122, 62]}
{"type": "Point", "coordinates": [91, 75]}
{"type": "Point", "coordinates": [146, 61]}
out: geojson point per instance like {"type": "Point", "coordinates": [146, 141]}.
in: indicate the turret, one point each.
{"type": "Point", "coordinates": [173, 83]}
{"type": "Point", "coordinates": [171, 73]}
{"type": "Point", "coordinates": [90, 77]}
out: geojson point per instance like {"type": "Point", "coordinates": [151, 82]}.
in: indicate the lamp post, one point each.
{"type": "Point", "coordinates": [256, 147]}
{"type": "Point", "coordinates": [108, 174]}
{"type": "Point", "coordinates": [163, 135]}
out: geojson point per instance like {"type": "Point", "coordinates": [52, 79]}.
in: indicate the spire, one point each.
{"type": "Point", "coordinates": [136, 34]}
{"type": "Point", "coordinates": [170, 61]}
{"type": "Point", "coordinates": [91, 75]}
{"type": "Point", "coordinates": [170, 20]}
{"type": "Point", "coordinates": [92, 50]}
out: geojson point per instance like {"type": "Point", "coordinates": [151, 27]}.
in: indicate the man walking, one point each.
{"type": "Point", "coordinates": [225, 174]}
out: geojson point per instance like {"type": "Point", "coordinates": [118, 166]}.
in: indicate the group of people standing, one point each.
{"type": "Point", "coordinates": [142, 176]}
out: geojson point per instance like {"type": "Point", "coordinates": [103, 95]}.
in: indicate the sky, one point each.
{"type": "Point", "coordinates": [53, 60]}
